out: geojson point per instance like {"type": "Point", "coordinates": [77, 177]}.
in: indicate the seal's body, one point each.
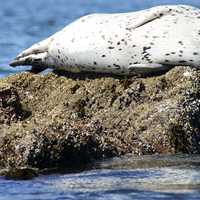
{"type": "Point", "coordinates": [127, 43]}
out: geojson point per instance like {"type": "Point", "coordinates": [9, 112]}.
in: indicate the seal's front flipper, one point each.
{"type": "Point", "coordinates": [148, 68]}
{"type": "Point", "coordinates": [147, 16]}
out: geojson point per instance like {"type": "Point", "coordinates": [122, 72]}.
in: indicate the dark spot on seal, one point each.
{"type": "Point", "coordinates": [119, 49]}
{"type": "Point", "coordinates": [146, 48]}
{"type": "Point", "coordinates": [117, 66]}
{"type": "Point", "coordinates": [180, 51]}
{"type": "Point", "coordinates": [166, 60]}
{"type": "Point", "coordinates": [145, 51]}
{"type": "Point", "coordinates": [191, 60]}
{"type": "Point", "coordinates": [195, 53]}
{"type": "Point", "coordinates": [133, 45]}
{"type": "Point", "coordinates": [167, 54]}
{"type": "Point", "coordinates": [103, 56]}
{"type": "Point", "coordinates": [103, 36]}
{"type": "Point", "coordinates": [182, 61]}
{"type": "Point", "coordinates": [173, 52]}
{"type": "Point", "coordinates": [95, 63]}
{"type": "Point", "coordinates": [180, 42]}
{"type": "Point", "coordinates": [146, 55]}
{"type": "Point", "coordinates": [118, 43]}
{"type": "Point", "coordinates": [111, 47]}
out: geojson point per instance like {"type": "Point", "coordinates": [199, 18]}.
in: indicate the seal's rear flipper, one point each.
{"type": "Point", "coordinates": [39, 47]}
{"type": "Point", "coordinates": [37, 61]}
{"type": "Point", "coordinates": [33, 59]}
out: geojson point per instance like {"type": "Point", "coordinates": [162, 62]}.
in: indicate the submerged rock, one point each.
{"type": "Point", "coordinates": [21, 173]}
{"type": "Point", "coordinates": [53, 121]}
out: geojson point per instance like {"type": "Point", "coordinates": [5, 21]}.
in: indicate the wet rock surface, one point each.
{"type": "Point", "coordinates": [55, 121]}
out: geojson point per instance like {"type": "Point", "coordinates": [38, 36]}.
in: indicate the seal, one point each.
{"type": "Point", "coordinates": [152, 40]}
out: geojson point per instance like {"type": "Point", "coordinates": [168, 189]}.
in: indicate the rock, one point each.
{"type": "Point", "coordinates": [21, 173]}
{"type": "Point", "coordinates": [69, 120]}
{"type": "Point", "coordinates": [10, 107]}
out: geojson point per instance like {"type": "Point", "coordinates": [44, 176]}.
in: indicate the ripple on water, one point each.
{"type": "Point", "coordinates": [116, 179]}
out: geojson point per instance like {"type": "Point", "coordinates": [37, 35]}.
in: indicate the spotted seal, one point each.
{"type": "Point", "coordinates": [149, 40]}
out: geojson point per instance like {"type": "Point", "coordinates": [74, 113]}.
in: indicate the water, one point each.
{"type": "Point", "coordinates": [148, 177]}
{"type": "Point", "coordinates": [24, 22]}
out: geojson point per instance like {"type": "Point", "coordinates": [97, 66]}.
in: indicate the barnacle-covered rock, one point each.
{"type": "Point", "coordinates": [54, 121]}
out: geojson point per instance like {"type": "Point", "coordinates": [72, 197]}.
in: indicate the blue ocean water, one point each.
{"type": "Point", "coordinates": [146, 178]}
{"type": "Point", "coordinates": [24, 22]}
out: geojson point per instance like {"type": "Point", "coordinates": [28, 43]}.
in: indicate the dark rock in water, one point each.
{"type": "Point", "coordinates": [22, 173]}
{"type": "Point", "coordinates": [50, 121]}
